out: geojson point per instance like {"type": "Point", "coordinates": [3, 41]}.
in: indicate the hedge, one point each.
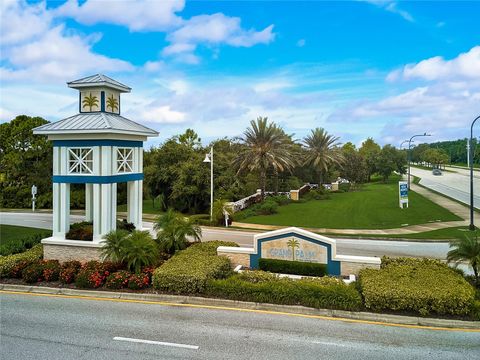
{"type": "Point", "coordinates": [292, 267]}
{"type": "Point", "coordinates": [421, 286]}
{"type": "Point", "coordinates": [187, 271]}
{"type": "Point", "coordinates": [7, 263]}
{"type": "Point", "coordinates": [22, 244]}
{"type": "Point", "coordinates": [324, 293]}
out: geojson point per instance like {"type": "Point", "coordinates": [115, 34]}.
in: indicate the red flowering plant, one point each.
{"type": "Point", "coordinates": [148, 271]}
{"type": "Point", "coordinates": [16, 271]}
{"type": "Point", "coordinates": [88, 278]}
{"type": "Point", "coordinates": [138, 281]}
{"type": "Point", "coordinates": [51, 270]}
{"type": "Point", "coordinates": [69, 271]}
{"type": "Point", "coordinates": [33, 273]}
{"type": "Point", "coordinates": [118, 280]}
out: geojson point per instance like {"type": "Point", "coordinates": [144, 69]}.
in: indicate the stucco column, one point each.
{"type": "Point", "coordinates": [64, 209]}
{"type": "Point", "coordinates": [139, 224]}
{"type": "Point", "coordinates": [106, 208]}
{"type": "Point", "coordinates": [132, 202]}
{"type": "Point", "coordinates": [113, 212]}
{"type": "Point", "coordinates": [97, 213]}
{"type": "Point", "coordinates": [56, 211]}
{"type": "Point", "coordinates": [88, 202]}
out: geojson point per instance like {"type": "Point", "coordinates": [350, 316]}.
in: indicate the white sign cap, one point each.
{"type": "Point", "coordinates": [34, 190]}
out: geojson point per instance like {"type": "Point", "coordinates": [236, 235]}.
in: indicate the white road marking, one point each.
{"type": "Point", "coordinates": [328, 343]}
{"type": "Point", "coordinates": [151, 342]}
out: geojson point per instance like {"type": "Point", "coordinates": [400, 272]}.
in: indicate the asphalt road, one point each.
{"type": "Point", "coordinates": [35, 327]}
{"type": "Point", "coordinates": [453, 184]}
{"type": "Point", "coordinates": [245, 238]}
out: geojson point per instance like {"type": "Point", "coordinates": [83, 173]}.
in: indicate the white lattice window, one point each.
{"type": "Point", "coordinates": [124, 160]}
{"type": "Point", "coordinates": [80, 160]}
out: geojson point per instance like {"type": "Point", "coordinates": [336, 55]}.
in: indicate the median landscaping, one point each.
{"type": "Point", "coordinates": [420, 287]}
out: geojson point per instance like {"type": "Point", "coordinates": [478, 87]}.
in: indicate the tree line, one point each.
{"type": "Point", "coordinates": [264, 157]}
{"type": "Point", "coordinates": [445, 152]}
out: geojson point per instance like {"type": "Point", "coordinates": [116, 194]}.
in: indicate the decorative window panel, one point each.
{"type": "Point", "coordinates": [125, 160]}
{"type": "Point", "coordinates": [80, 160]}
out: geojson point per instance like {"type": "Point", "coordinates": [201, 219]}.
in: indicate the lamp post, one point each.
{"type": "Point", "coordinates": [209, 159]}
{"type": "Point", "coordinates": [410, 153]}
{"type": "Point", "coordinates": [472, 225]}
{"type": "Point", "coordinates": [403, 142]}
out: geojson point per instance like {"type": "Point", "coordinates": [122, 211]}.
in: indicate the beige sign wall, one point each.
{"type": "Point", "coordinates": [294, 248]}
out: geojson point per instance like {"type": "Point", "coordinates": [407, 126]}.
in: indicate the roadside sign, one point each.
{"type": "Point", "coordinates": [403, 193]}
{"type": "Point", "coordinates": [34, 192]}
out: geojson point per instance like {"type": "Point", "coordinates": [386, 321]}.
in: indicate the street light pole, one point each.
{"type": "Point", "coordinates": [209, 159]}
{"type": "Point", "coordinates": [472, 225]}
{"type": "Point", "coordinates": [403, 142]}
{"type": "Point", "coordinates": [410, 154]}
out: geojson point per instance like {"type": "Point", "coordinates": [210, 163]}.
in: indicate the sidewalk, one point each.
{"type": "Point", "coordinates": [453, 206]}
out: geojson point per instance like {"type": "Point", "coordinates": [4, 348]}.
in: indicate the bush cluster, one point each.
{"type": "Point", "coordinates": [421, 286]}
{"type": "Point", "coordinates": [80, 231]}
{"type": "Point", "coordinates": [292, 267]}
{"type": "Point", "coordinates": [317, 194]}
{"type": "Point", "coordinates": [12, 262]}
{"type": "Point", "coordinates": [324, 293]}
{"type": "Point", "coordinates": [69, 270]}
{"type": "Point", "coordinates": [22, 244]}
{"type": "Point", "coordinates": [39, 270]}
{"type": "Point", "coordinates": [188, 271]}
{"type": "Point", "coordinates": [268, 206]}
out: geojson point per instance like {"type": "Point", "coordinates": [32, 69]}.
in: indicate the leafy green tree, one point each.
{"type": "Point", "coordinates": [354, 167]}
{"type": "Point", "coordinates": [435, 157]}
{"type": "Point", "coordinates": [417, 152]}
{"type": "Point", "coordinates": [389, 160]}
{"type": "Point", "coordinates": [90, 101]}
{"type": "Point", "coordinates": [370, 151]}
{"type": "Point", "coordinates": [220, 207]}
{"type": "Point", "coordinates": [190, 139]}
{"type": "Point", "coordinates": [265, 146]}
{"type": "Point", "coordinates": [322, 151]}
{"type": "Point", "coordinates": [174, 231]}
{"type": "Point", "coordinates": [25, 160]}
{"type": "Point", "coordinates": [466, 249]}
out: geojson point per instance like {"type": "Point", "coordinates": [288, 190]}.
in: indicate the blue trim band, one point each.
{"type": "Point", "coordinates": [86, 179]}
{"type": "Point", "coordinates": [123, 143]}
{"type": "Point", "coordinates": [102, 100]}
{"type": "Point", "coordinates": [333, 266]}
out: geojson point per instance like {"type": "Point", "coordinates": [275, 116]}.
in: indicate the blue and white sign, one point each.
{"type": "Point", "coordinates": [403, 193]}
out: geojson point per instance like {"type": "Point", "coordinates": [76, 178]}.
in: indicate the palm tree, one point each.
{"type": "Point", "coordinates": [112, 103]}
{"type": "Point", "coordinates": [466, 249]}
{"type": "Point", "coordinates": [322, 151]}
{"type": "Point", "coordinates": [90, 101]}
{"type": "Point", "coordinates": [266, 145]}
{"type": "Point", "coordinates": [113, 245]}
{"type": "Point", "coordinates": [140, 250]}
{"type": "Point", "coordinates": [174, 230]}
{"type": "Point", "coordinates": [293, 243]}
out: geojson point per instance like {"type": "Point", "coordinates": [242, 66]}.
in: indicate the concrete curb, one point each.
{"type": "Point", "coordinates": [388, 319]}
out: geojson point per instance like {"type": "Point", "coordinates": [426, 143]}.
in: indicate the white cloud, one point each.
{"type": "Point", "coordinates": [301, 43]}
{"type": "Point", "coordinates": [464, 66]}
{"type": "Point", "coordinates": [21, 22]}
{"type": "Point", "coordinates": [391, 6]}
{"type": "Point", "coordinates": [214, 30]}
{"type": "Point", "coordinates": [138, 15]}
{"type": "Point", "coordinates": [162, 114]}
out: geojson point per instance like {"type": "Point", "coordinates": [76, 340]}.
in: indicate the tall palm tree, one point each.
{"type": "Point", "coordinates": [266, 145]}
{"type": "Point", "coordinates": [90, 101]}
{"type": "Point", "coordinates": [322, 151]}
{"type": "Point", "coordinates": [174, 231]}
{"type": "Point", "coordinates": [466, 249]}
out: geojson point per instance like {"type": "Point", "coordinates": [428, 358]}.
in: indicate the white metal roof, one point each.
{"type": "Point", "coordinates": [98, 80]}
{"type": "Point", "coordinates": [100, 122]}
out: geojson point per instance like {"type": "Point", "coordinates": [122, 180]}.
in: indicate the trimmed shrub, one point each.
{"type": "Point", "coordinates": [80, 231]}
{"type": "Point", "coordinates": [138, 282]}
{"type": "Point", "coordinates": [11, 262]}
{"type": "Point", "coordinates": [51, 270]}
{"type": "Point", "coordinates": [317, 194]}
{"type": "Point", "coordinates": [187, 272]}
{"type": "Point", "coordinates": [118, 280]}
{"type": "Point", "coordinates": [267, 207]}
{"type": "Point", "coordinates": [325, 293]}
{"type": "Point", "coordinates": [256, 276]}
{"type": "Point", "coordinates": [90, 279]}
{"type": "Point", "coordinates": [22, 244]}
{"type": "Point", "coordinates": [33, 272]}
{"type": "Point", "coordinates": [292, 267]}
{"type": "Point", "coordinates": [281, 200]}
{"type": "Point", "coordinates": [422, 286]}
{"type": "Point", "coordinates": [16, 271]}
{"type": "Point", "coordinates": [68, 271]}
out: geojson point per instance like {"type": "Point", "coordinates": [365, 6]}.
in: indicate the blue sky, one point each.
{"type": "Point", "coordinates": [385, 69]}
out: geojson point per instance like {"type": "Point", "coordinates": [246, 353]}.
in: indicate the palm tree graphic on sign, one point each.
{"type": "Point", "coordinates": [112, 103]}
{"type": "Point", "coordinates": [90, 101]}
{"type": "Point", "coordinates": [293, 243]}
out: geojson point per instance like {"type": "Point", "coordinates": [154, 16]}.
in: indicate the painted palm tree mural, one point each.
{"type": "Point", "coordinates": [293, 243]}
{"type": "Point", "coordinates": [90, 101]}
{"type": "Point", "coordinates": [112, 103]}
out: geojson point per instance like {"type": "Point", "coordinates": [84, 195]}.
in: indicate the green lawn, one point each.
{"type": "Point", "coordinates": [11, 233]}
{"type": "Point", "coordinates": [147, 207]}
{"type": "Point", "coordinates": [375, 206]}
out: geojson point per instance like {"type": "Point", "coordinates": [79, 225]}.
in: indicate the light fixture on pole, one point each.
{"type": "Point", "coordinates": [472, 225]}
{"type": "Point", "coordinates": [209, 159]}
{"type": "Point", "coordinates": [403, 142]}
{"type": "Point", "coordinates": [410, 153]}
